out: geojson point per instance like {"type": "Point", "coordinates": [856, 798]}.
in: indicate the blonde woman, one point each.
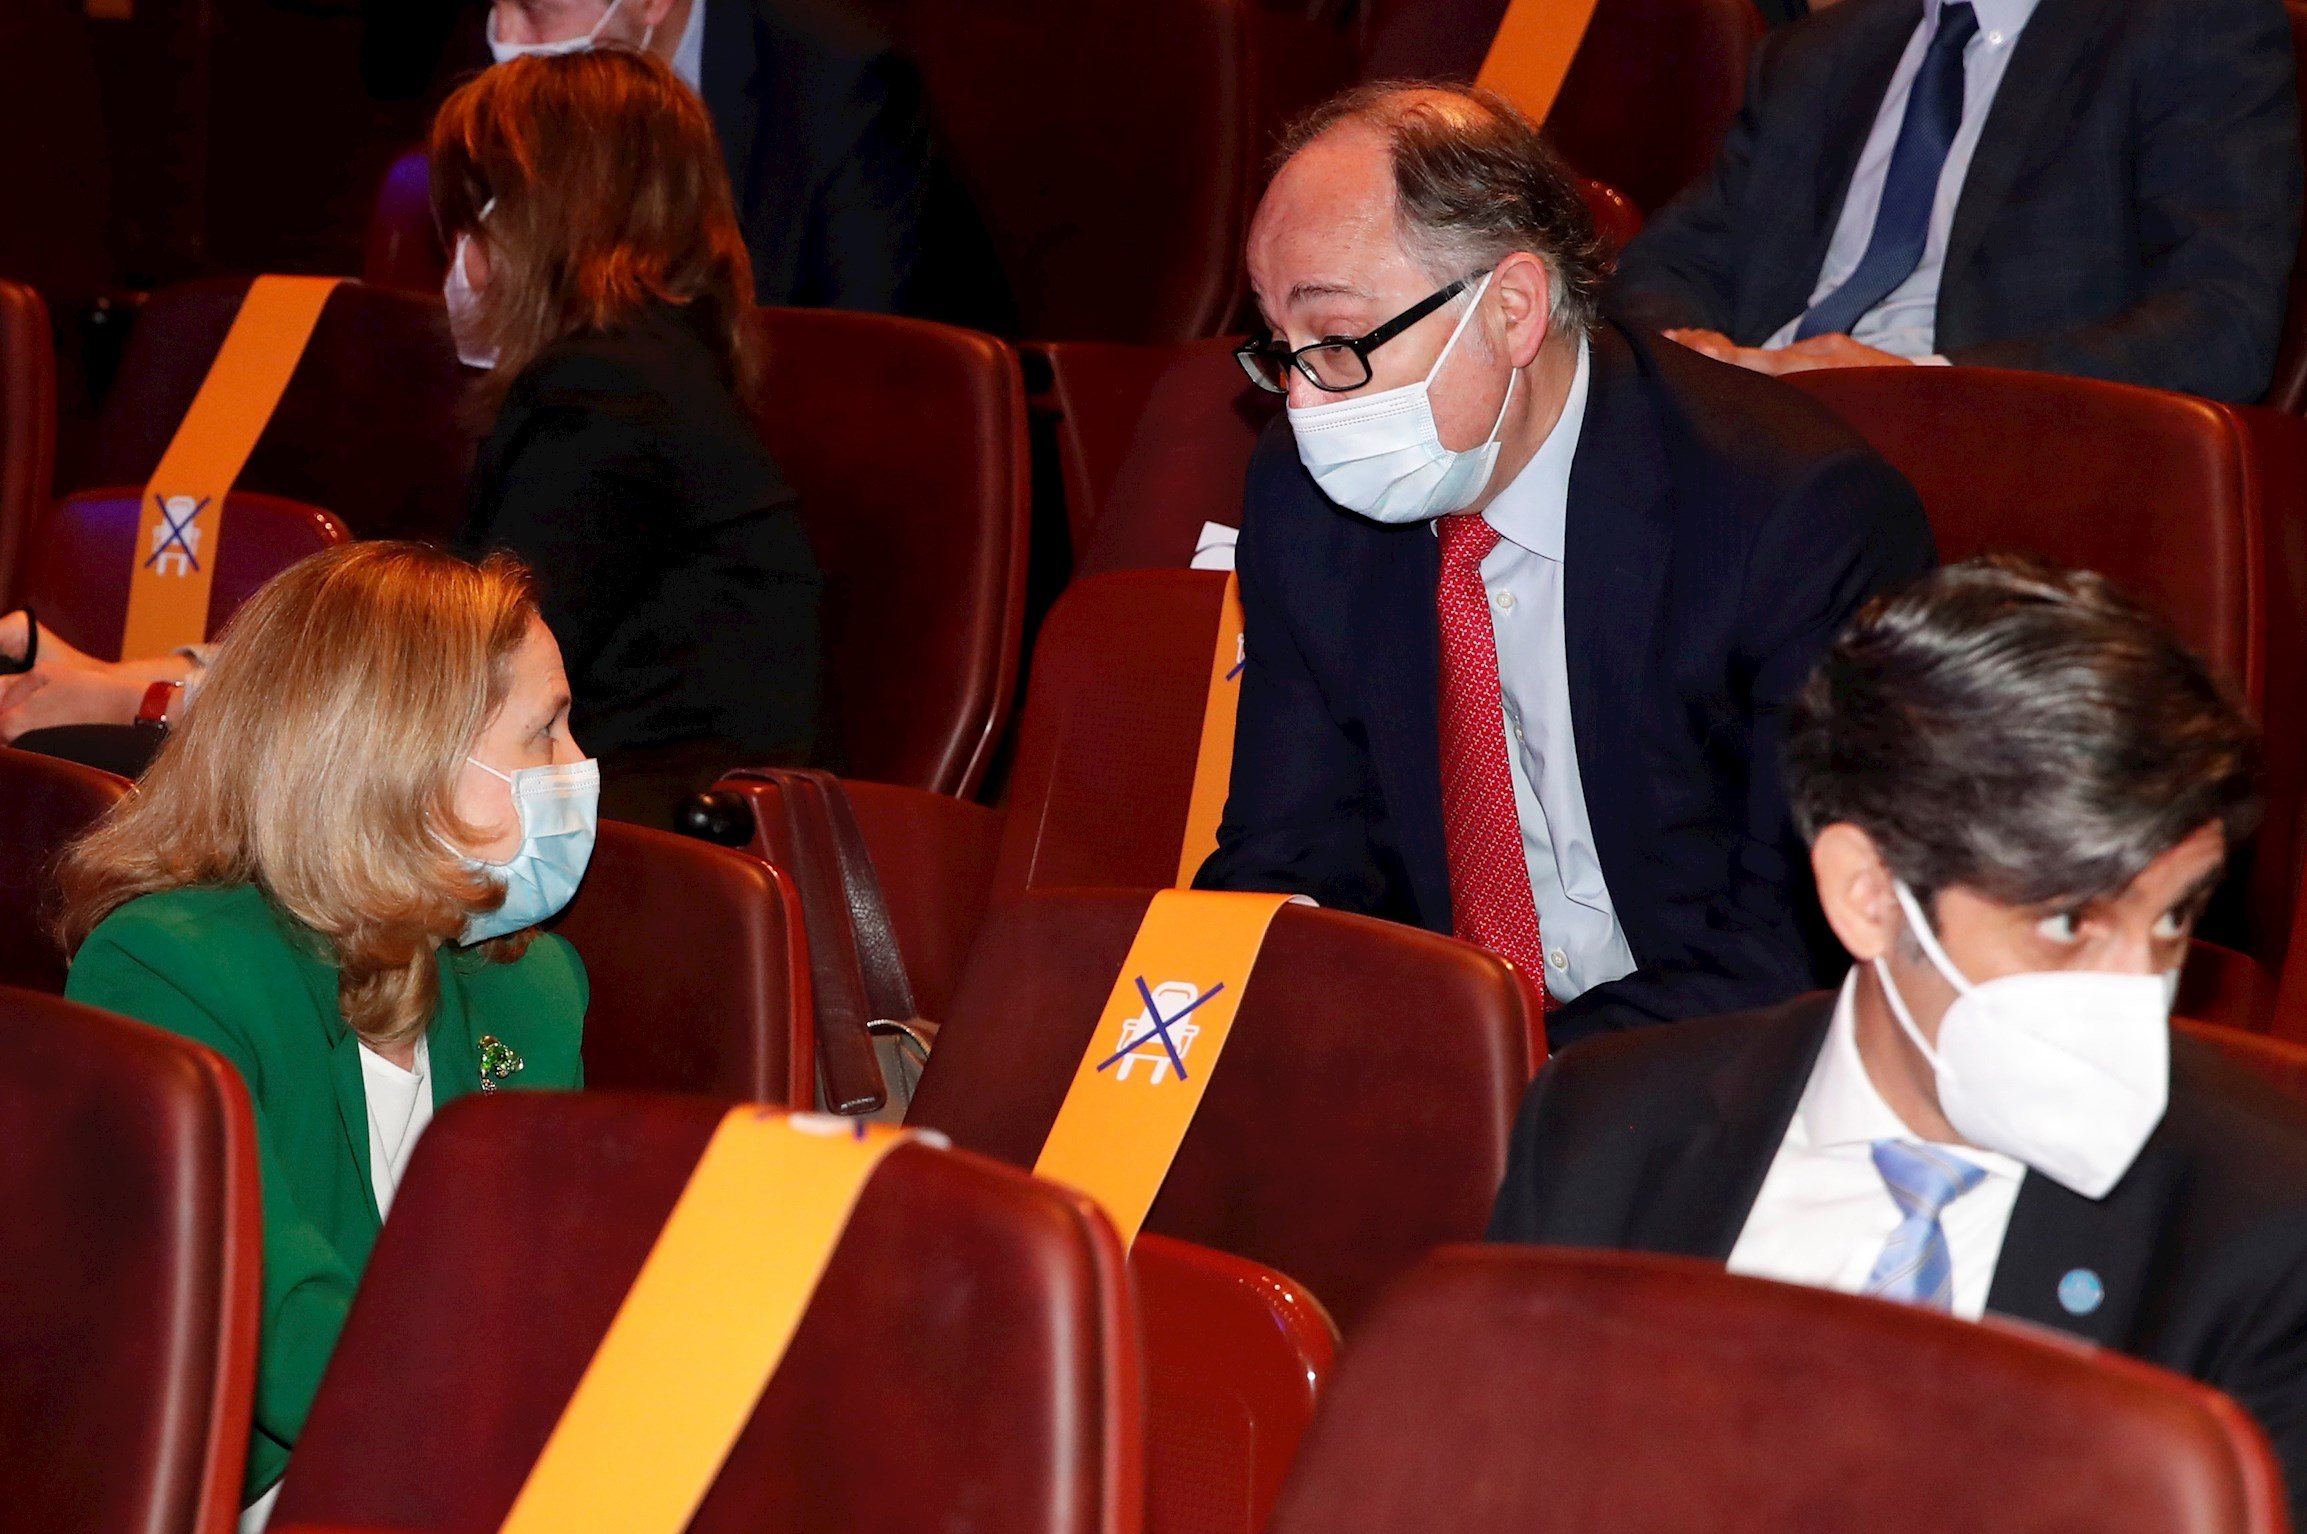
{"type": "Point", "coordinates": [329, 876]}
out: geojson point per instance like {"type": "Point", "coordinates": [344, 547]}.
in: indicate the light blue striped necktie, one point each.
{"type": "Point", "coordinates": [1915, 1268]}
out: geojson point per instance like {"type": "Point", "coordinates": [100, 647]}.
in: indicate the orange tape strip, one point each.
{"type": "Point", "coordinates": [1149, 1061]}
{"type": "Point", "coordinates": [1214, 766]}
{"type": "Point", "coordinates": [683, 1365]}
{"type": "Point", "coordinates": [181, 525]}
{"type": "Point", "coordinates": [1530, 57]}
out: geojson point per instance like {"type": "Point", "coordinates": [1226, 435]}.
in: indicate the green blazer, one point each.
{"type": "Point", "coordinates": [222, 966]}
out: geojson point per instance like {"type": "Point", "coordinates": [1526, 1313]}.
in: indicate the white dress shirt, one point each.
{"type": "Point", "coordinates": [400, 1105]}
{"type": "Point", "coordinates": [1906, 323]}
{"type": "Point", "coordinates": [689, 53]}
{"type": "Point", "coordinates": [1824, 1211]}
{"type": "Point", "coordinates": [1584, 944]}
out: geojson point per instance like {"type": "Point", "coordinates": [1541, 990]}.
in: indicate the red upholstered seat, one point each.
{"type": "Point", "coordinates": [2289, 389]}
{"type": "Point", "coordinates": [404, 249]}
{"type": "Point", "coordinates": [77, 569]}
{"type": "Point", "coordinates": [131, 1249]}
{"type": "Point", "coordinates": [1648, 97]}
{"type": "Point", "coordinates": [1358, 1118]}
{"type": "Point", "coordinates": [44, 803]}
{"type": "Point", "coordinates": [1115, 151]}
{"type": "Point", "coordinates": [368, 427]}
{"type": "Point", "coordinates": [906, 443]}
{"type": "Point", "coordinates": [970, 1359]}
{"type": "Point", "coordinates": [700, 980]}
{"type": "Point", "coordinates": [2278, 1062]}
{"type": "Point", "coordinates": [27, 421]}
{"type": "Point", "coordinates": [1556, 1392]}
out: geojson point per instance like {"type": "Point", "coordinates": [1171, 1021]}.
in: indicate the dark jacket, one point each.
{"type": "Point", "coordinates": [845, 201]}
{"type": "Point", "coordinates": [2132, 211]}
{"type": "Point", "coordinates": [1660, 1143]}
{"type": "Point", "coordinates": [1721, 529]}
{"type": "Point", "coordinates": [674, 571]}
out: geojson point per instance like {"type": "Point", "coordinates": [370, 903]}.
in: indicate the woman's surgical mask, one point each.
{"type": "Point", "coordinates": [464, 302]}
{"type": "Point", "coordinates": [505, 53]}
{"type": "Point", "coordinates": [2065, 1070]}
{"type": "Point", "coordinates": [559, 807]}
{"type": "Point", "coordinates": [1382, 455]}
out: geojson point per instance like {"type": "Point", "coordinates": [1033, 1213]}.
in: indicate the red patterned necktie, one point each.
{"type": "Point", "coordinates": [1490, 899]}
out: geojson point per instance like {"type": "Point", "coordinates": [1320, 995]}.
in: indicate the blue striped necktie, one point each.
{"type": "Point", "coordinates": [1902, 224]}
{"type": "Point", "coordinates": [1914, 1267]}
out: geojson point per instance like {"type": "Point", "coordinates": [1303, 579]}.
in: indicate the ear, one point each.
{"type": "Point", "coordinates": [1856, 890]}
{"type": "Point", "coordinates": [654, 12]}
{"type": "Point", "coordinates": [1525, 297]}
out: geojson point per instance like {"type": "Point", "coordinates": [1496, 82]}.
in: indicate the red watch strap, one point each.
{"type": "Point", "coordinates": [153, 711]}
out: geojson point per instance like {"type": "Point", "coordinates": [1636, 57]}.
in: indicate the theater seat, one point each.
{"type": "Point", "coordinates": [1358, 1119]}
{"type": "Point", "coordinates": [1556, 1392]}
{"type": "Point", "coordinates": [2279, 1062]}
{"type": "Point", "coordinates": [27, 421]}
{"type": "Point", "coordinates": [700, 981]}
{"type": "Point", "coordinates": [76, 573]}
{"type": "Point", "coordinates": [905, 441]}
{"type": "Point", "coordinates": [970, 1359]}
{"type": "Point", "coordinates": [368, 427]}
{"type": "Point", "coordinates": [131, 1249]}
{"type": "Point", "coordinates": [1114, 152]}
{"type": "Point", "coordinates": [44, 803]}
{"type": "Point", "coordinates": [404, 248]}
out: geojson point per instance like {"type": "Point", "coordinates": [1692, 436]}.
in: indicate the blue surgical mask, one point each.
{"type": "Point", "coordinates": [560, 809]}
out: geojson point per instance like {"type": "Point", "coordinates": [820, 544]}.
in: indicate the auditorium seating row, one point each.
{"type": "Point", "coordinates": [982, 1351]}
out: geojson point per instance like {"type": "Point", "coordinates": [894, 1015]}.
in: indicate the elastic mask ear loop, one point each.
{"type": "Point", "coordinates": [503, 777]}
{"type": "Point", "coordinates": [1464, 320]}
{"type": "Point", "coordinates": [1921, 928]}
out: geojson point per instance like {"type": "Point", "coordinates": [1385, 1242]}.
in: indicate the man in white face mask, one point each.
{"type": "Point", "coordinates": [1524, 592]}
{"type": "Point", "coordinates": [2020, 791]}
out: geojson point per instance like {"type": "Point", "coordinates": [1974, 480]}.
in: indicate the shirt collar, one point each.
{"type": "Point", "coordinates": [1532, 510]}
{"type": "Point", "coordinates": [1841, 1109]}
{"type": "Point", "coordinates": [689, 53]}
{"type": "Point", "coordinates": [2005, 16]}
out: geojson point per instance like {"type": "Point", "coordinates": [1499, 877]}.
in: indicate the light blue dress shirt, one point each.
{"type": "Point", "coordinates": [1584, 944]}
{"type": "Point", "coordinates": [1906, 323]}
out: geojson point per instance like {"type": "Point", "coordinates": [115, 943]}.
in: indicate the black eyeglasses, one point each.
{"type": "Point", "coordinates": [1339, 364]}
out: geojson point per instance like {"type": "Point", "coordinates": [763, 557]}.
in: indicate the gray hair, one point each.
{"type": "Point", "coordinates": [1474, 182]}
{"type": "Point", "coordinates": [2026, 732]}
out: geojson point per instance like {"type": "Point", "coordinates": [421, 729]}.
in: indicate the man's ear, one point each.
{"type": "Point", "coordinates": [1856, 890]}
{"type": "Point", "coordinates": [1525, 296]}
{"type": "Point", "coordinates": [654, 12]}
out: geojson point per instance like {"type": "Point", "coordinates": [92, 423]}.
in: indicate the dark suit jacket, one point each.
{"type": "Point", "coordinates": [844, 199]}
{"type": "Point", "coordinates": [2131, 213]}
{"type": "Point", "coordinates": [672, 564]}
{"type": "Point", "coordinates": [1660, 1143]}
{"type": "Point", "coordinates": [1721, 529]}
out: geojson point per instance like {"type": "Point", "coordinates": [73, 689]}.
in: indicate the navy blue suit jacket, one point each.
{"type": "Point", "coordinates": [1721, 529]}
{"type": "Point", "coordinates": [2132, 211]}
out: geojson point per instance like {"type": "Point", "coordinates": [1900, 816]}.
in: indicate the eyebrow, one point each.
{"type": "Point", "coordinates": [1321, 289]}
{"type": "Point", "coordinates": [560, 701]}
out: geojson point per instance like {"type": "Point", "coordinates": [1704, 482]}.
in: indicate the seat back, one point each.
{"type": "Point", "coordinates": [132, 1248]}
{"type": "Point", "coordinates": [905, 441]}
{"type": "Point", "coordinates": [404, 248]}
{"type": "Point", "coordinates": [1358, 1119]}
{"type": "Point", "coordinates": [970, 1358]}
{"type": "Point", "coordinates": [1546, 1391]}
{"type": "Point", "coordinates": [1113, 718]}
{"type": "Point", "coordinates": [77, 573]}
{"type": "Point", "coordinates": [45, 803]}
{"type": "Point", "coordinates": [368, 426]}
{"type": "Point", "coordinates": [699, 971]}
{"type": "Point", "coordinates": [2288, 391]}
{"type": "Point", "coordinates": [2278, 1062]}
{"type": "Point", "coordinates": [1127, 223]}
{"type": "Point", "coordinates": [1236, 1355]}
{"type": "Point", "coordinates": [27, 421]}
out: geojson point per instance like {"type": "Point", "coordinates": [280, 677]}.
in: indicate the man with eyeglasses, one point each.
{"type": "Point", "coordinates": [1525, 594]}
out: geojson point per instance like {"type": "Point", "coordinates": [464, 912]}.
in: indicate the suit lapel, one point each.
{"type": "Point", "coordinates": [2078, 1264]}
{"type": "Point", "coordinates": [726, 83]}
{"type": "Point", "coordinates": [1698, 1202]}
{"type": "Point", "coordinates": [1617, 544]}
{"type": "Point", "coordinates": [2041, 75]}
{"type": "Point", "coordinates": [1404, 715]}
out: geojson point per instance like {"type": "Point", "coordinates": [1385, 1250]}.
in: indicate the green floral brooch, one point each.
{"type": "Point", "coordinates": [497, 1061]}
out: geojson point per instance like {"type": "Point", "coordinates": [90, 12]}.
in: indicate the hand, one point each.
{"type": "Point", "coordinates": [1801, 357]}
{"type": "Point", "coordinates": [15, 633]}
{"type": "Point", "coordinates": [1709, 343]}
{"type": "Point", "coordinates": [68, 686]}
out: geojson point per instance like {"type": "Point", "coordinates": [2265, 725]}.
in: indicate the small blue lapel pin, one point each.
{"type": "Point", "coordinates": [2081, 1292]}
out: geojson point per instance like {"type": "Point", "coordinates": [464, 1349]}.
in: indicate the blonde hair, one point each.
{"type": "Point", "coordinates": [321, 765]}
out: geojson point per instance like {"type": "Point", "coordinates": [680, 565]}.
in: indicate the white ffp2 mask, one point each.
{"type": "Point", "coordinates": [1382, 455]}
{"type": "Point", "coordinates": [2066, 1070]}
{"type": "Point", "coordinates": [464, 302]}
{"type": "Point", "coordinates": [505, 53]}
